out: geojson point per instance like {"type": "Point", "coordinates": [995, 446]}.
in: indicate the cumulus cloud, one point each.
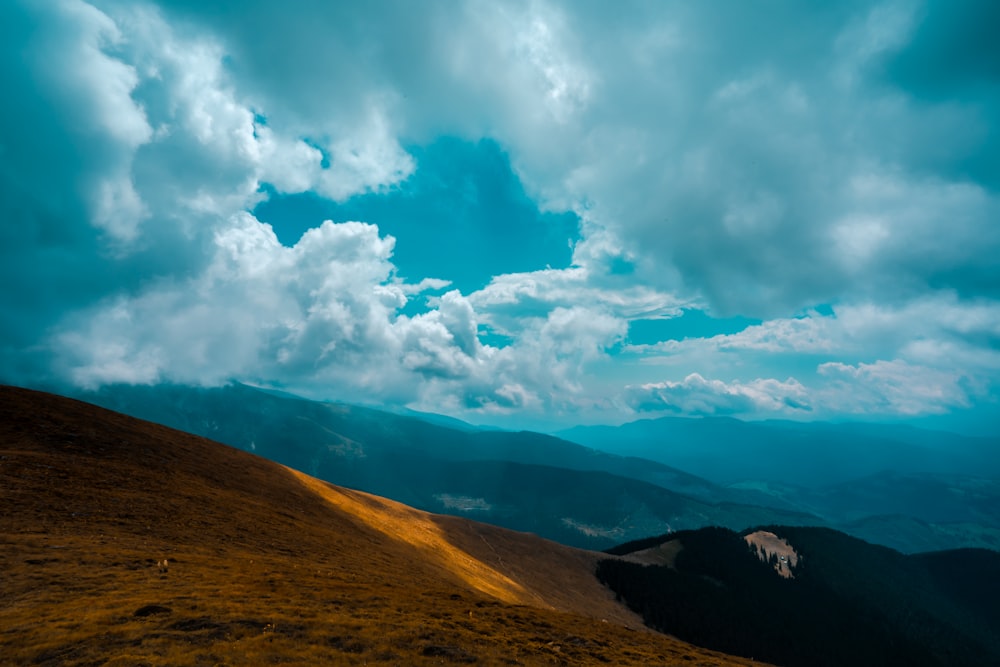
{"type": "Point", "coordinates": [508, 298]}
{"type": "Point", "coordinates": [200, 291]}
{"type": "Point", "coordinates": [257, 306]}
{"type": "Point", "coordinates": [943, 320]}
{"type": "Point", "coordinates": [765, 162]}
{"type": "Point", "coordinates": [717, 157]}
{"type": "Point", "coordinates": [697, 396]}
{"type": "Point", "coordinates": [546, 369]}
{"type": "Point", "coordinates": [323, 315]}
{"type": "Point", "coordinates": [927, 356]}
{"type": "Point", "coordinates": [893, 387]}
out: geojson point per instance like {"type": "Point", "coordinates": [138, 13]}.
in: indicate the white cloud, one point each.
{"type": "Point", "coordinates": [730, 166]}
{"type": "Point", "coordinates": [318, 310]}
{"type": "Point", "coordinates": [369, 158]}
{"type": "Point", "coordinates": [72, 58]}
{"type": "Point", "coordinates": [323, 316]}
{"type": "Point", "coordinates": [886, 27]}
{"type": "Point", "coordinates": [894, 388]}
{"type": "Point", "coordinates": [509, 298]}
{"type": "Point", "coordinates": [943, 321]}
{"type": "Point", "coordinates": [697, 396]}
{"type": "Point", "coordinates": [444, 341]}
{"type": "Point", "coordinates": [762, 183]}
{"type": "Point", "coordinates": [545, 373]}
{"type": "Point", "coordinates": [931, 355]}
{"type": "Point", "coordinates": [811, 334]}
{"type": "Point", "coordinates": [234, 303]}
{"type": "Point", "coordinates": [716, 157]}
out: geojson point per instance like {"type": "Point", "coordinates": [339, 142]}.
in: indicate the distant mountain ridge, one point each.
{"type": "Point", "coordinates": [520, 480]}
{"type": "Point", "coordinates": [905, 487]}
{"type": "Point", "coordinates": [574, 493]}
{"type": "Point", "coordinates": [726, 450]}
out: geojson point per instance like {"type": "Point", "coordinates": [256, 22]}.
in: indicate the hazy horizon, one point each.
{"type": "Point", "coordinates": [520, 214]}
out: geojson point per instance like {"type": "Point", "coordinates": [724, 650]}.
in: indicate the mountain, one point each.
{"type": "Point", "coordinates": [908, 488]}
{"type": "Point", "coordinates": [248, 417]}
{"type": "Point", "coordinates": [812, 454]}
{"type": "Point", "coordinates": [910, 512]}
{"type": "Point", "coordinates": [909, 535]}
{"type": "Point", "coordinates": [843, 601]}
{"type": "Point", "coordinates": [525, 481]}
{"type": "Point", "coordinates": [529, 481]}
{"type": "Point", "coordinates": [126, 542]}
{"type": "Point", "coordinates": [933, 497]}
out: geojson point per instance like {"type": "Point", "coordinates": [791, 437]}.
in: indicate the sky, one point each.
{"type": "Point", "coordinates": [526, 214]}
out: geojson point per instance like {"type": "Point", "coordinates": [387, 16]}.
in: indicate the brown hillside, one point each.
{"type": "Point", "coordinates": [267, 565]}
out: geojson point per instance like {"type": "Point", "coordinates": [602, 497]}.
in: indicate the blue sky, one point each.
{"type": "Point", "coordinates": [518, 213]}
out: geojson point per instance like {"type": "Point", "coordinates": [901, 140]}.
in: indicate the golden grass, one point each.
{"type": "Point", "coordinates": [417, 529]}
{"type": "Point", "coordinates": [266, 565]}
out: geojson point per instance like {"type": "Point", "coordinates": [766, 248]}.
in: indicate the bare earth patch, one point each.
{"type": "Point", "coordinates": [767, 545]}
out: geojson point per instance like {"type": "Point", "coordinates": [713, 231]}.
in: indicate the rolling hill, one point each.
{"type": "Point", "coordinates": [125, 542]}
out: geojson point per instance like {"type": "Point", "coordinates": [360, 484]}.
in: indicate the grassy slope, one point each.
{"type": "Point", "coordinates": [267, 564]}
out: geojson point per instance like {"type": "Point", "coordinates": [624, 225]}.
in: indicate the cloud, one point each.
{"type": "Point", "coordinates": [926, 356]}
{"type": "Point", "coordinates": [444, 341]}
{"type": "Point", "coordinates": [146, 160]}
{"type": "Point", "coordinates": [717, 157]}
{"type": "Point", "coordinates": [963, 333]}
{"type": "Point", "coordinates": [762, 162]}
{"type": "Point", "coordinates": [697, 396]}
{"type": "Point", "coordinates": [199, 291]}
{"type": "Point", "coordinates": [257, 308]}
{"type": "Point", "coordinates": [810, 334]}
{"type": "Point", "coordinates": [325, 313]}
{"type": "Point", "coordinates": [893, 388]}
{"type": "Point", "coordinates": [510, 297]}
{"type": "Point", "coordinates": [544, 375]}
{"type": "Point", "coordinates": [69, 129]}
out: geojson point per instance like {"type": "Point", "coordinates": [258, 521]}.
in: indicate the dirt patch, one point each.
{"type": "Point", "coordinates": [772, 549]}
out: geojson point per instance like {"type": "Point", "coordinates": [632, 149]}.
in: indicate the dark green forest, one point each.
{"type": "Point", "coordinates": [849, 603]}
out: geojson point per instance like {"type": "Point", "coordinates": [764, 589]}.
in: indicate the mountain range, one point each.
{"type": "Point", "coordinates": [127, 542]}
{"type": "Point", "coordinates": [812, 454]}
{"type": "Point", "coordinates": [520, 480]}
{"type": "Point", "coordinates": [941, 492]}
{"type": "Point", "coordinates": [908, 488]}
